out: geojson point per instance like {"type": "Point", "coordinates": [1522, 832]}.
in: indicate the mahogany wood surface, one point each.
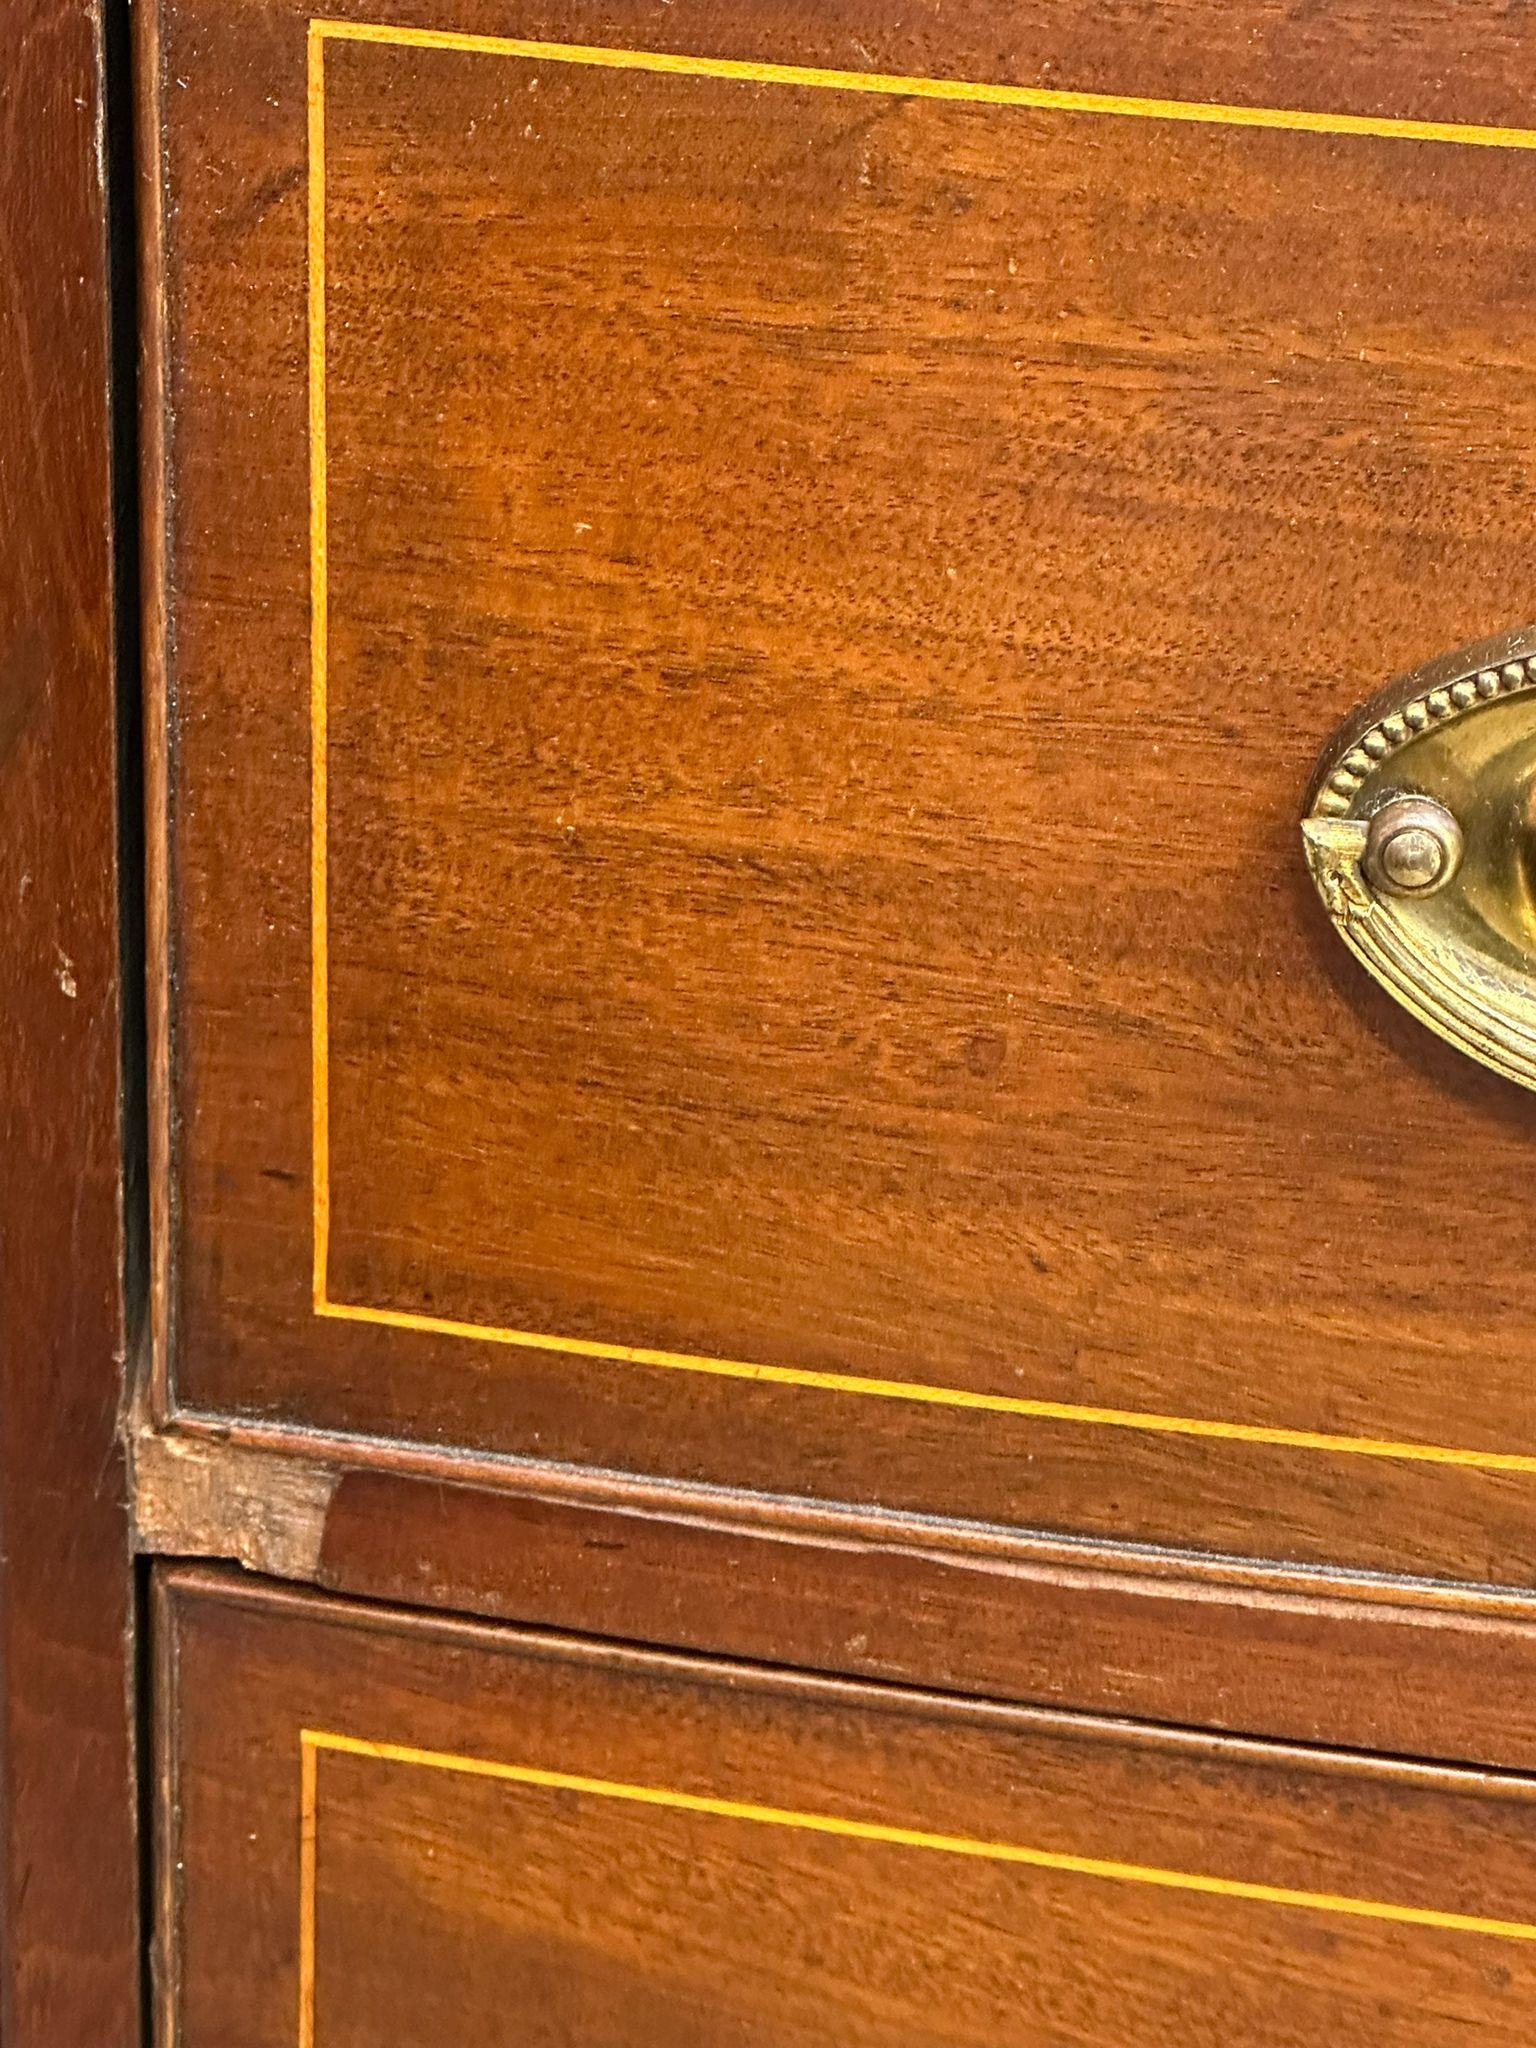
{"type": "Point", "coordinates": [831, 599]}
{"type": "Point", "coordinates": [381, 1826]}
{"type": "Point", "coordinates": [69, 1966]}
{"type": "Point", "coordinates": [1380, 1667]}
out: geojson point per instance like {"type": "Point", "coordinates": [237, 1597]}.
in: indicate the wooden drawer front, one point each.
{"type": "Point", "coordinates": [385, 1828]}
{"type": "Point", "coordinates": [746, 639]}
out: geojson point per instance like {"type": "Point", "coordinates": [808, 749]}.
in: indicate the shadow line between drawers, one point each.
{"type": "Point", "coordinates": [313, 1741]}
{"type": "Point", "coordinates": [1039, 99]}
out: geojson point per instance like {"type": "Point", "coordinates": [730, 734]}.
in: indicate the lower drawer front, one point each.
{"type": "Point", "coordinates": [381, 1828]}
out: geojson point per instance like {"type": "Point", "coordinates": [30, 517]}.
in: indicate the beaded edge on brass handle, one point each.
{"type": "Point", "coordinates": [1420, 836]}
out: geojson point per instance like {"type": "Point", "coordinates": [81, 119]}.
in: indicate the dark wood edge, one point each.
{"type": "Point", "coordinates": [1399, 1667]}
{"type": "Point", "coordinates": [165, 1821]}
{"type": "Point", "coordinates": [70, 1966]}
{"type": "Point", "coordinates": [155, 512]}
{"type": "Point", "coordinates": [193, 1437]}
{"type": "Point", "coordinates": [180, 1585]}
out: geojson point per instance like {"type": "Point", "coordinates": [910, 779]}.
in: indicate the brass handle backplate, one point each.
{"type": "Point", "coordinates": [1420, 832]}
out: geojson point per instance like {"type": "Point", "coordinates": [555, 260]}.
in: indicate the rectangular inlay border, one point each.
{"type": "Point", "coordinates": [313, 1742]}
{"type": "Point", "coordinates": [320, 32]}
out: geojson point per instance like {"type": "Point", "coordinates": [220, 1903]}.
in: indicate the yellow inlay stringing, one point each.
{"type": "Point", "coordinates": [1040, 99]}
{"type": "Point", "coordinates": [313, 1741]}
{"type": "Point", "coordinates": [1045, 99]}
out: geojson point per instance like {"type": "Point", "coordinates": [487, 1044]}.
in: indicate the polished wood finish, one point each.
{"type": "Point", "coordinates": [1396, 1666]}
{"type": "Point", "coordinates": [382, 1826]}
{"type": "Point", "coordinates": [1372, 1667]}
{"type": "Point", "coordinates": [817, 697]}
{"type": "Point", "coordinates": [69, 1969]}
{"type": "Point", "coordinates": [878, 1378]}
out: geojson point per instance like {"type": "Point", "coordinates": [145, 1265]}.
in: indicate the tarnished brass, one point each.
{"type": "Point", "coordinates": [1420, 833]}
{"type": "Point", "coordinates": [1412, 848]}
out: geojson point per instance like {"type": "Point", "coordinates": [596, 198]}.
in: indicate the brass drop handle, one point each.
{"type": "Point", "coordinates": [1420, 832]}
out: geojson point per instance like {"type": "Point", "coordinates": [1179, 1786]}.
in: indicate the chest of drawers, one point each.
{"type": "Point", "coordinates": [863, 1383]}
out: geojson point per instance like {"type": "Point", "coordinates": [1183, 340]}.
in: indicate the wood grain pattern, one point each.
{"type": "Point", "coordinates": [69, 1967]}
{"type": "Point", "coordinates": [1395, 1666]}
{"type": "Point", "coordinates": [1291, 1656]}
{"type": "Point", "coordinates": [613, 1845]}
{"type": "Point", "coordinates": [818, 689]}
